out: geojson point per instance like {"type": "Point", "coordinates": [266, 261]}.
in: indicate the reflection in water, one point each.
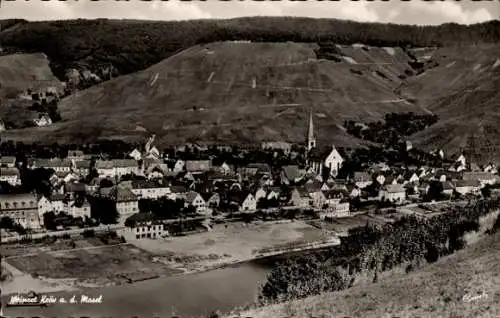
{"type": "Point", "coordinates": [186, 296]}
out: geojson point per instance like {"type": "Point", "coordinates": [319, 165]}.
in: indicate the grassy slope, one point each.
{"type": "Point", "coordinates": [436, 290]}
{"type": "Point", "coordinates": [463, 91]}
{"type": "Point", "coordinates": [19, 72]}
{"type": "Point", "coordinates": [284, 73]}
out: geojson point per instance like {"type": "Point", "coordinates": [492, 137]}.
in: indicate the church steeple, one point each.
{"type": "Point", "coordinates": [311, 140]}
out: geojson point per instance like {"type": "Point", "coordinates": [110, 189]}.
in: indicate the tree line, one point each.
{"type": "Point", "coordinates": [128, 45]}
{"type": "Point", "coordinates": [410, 241]}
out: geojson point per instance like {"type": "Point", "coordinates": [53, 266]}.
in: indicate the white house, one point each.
{"type": "Point", "coordinates": [43, 120]}
{"type": "Point", "coordinates": [195, 199]}
{"type": "Point", "coordinates": [78, 209]}
{"type": "Point", "coordinates": [467, 186]}
{"type": "Point", "coordinates": [362, 179]}
{"type": "Point", "coordinates": [149, 190]}
{"type": "Point", "coordinates": [55, 203]}
{"type": "Point", "coordinates": [145, 226]}
{"type": "Point", "coordinates": [245, 201]}
{"type": "Point", "coordinates": [135, 154]}
{"type": "Point", "coordinates": [483, 177]}
{"type": "Point", "coordinates": [259, 194]}
{"type": "Point", "coordinates": [179, 165]}
{"type": "Point", "coordinates": [393, 192]}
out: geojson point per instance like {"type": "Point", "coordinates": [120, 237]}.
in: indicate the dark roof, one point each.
{"type": "Point", "coordinates": [191, 196]}
{"type": "Point", "coordinates": [467, 183]}
{"type": "Point", "coordinates": [292, 172]}
{"type": "Point", "coordinates": [139, 218]}
{"type": "Point", "coordinates": [52, 163]}
{"type": "Point", "coordinates": [74, 187]}
{"type": "Point", "coordinates": [82, 164]}
{"type": "Point", "coordinates": [320, 154]}
{"type": "Point", "coordinates": [238, 197]}
{"type": "Point", "coordinates": [178, 189]}
{"type": "Point", "coordinates": [198, 165]}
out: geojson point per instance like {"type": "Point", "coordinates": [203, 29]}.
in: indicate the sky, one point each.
{"type": "Point", "coordinates": [394, 11]}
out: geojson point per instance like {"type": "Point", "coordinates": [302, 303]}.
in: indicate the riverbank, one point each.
{"type": "Point", "coordinates": [466, 283]}
{"type": "Point", "coordinates": [46, 271]}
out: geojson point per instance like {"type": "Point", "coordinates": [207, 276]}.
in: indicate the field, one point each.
{"type": "Point", "coordinates": [465, 284]}
{"type": "Point", "coordinates": [234, 243]}
{"type": "Point", "coordinates": [90, 263]}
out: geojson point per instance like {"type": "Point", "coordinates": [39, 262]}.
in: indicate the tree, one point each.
{"type": "Point", "coordinates": [49, 221]}
{"type": "Point", "coordinates": [486, 191]}
{"type": "Point", "coordinates": [104, 210]}
{"type": "Point", "coordinates": [6, 223]}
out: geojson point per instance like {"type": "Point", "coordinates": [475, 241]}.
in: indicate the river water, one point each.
{"type": "Point", "coordinates": [191, 295]}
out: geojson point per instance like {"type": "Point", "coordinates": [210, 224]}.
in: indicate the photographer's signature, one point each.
{"type": "Point", "coordinates": [470, 297]}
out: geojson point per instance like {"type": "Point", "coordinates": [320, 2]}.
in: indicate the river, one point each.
{"type": "Point", "coordinates": [192, 295]}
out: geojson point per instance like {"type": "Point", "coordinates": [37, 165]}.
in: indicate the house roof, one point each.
{"type": "Point", "coordinates": [239, 197]}
{"type": "Point", "coordinates": [116, 163]}
{"type": "Point", "coordinates": [293, 172]}
{"type": "Point", "coordinates": [178, 189]}
{"type": "Point", "coordinates": [361, 176]}
{"type": "Point", "coordinates": [7, 160]}
{"type": "Point", "coordinates": [139, 218]}
{"type": "Point", "coordinates": [75, 153]}
{"type": "Point", "coordinates": [145, 184]}
{"type": "Point", "coordinates": [261, 167]}
{"type": "Point", "coordinates": [75, 187]}
{"type": "Point", "coordinates": [394, 188]}
{"type": "Point", "coordinates": [478, 176]}
{"type": "Point", "coordinates": [82, 164]}
{"type": "Point", "coordinates": [198, 165]}
{"type": "Point", "coordinates": [56, 197]}
{"type": "Point", "coordinates": [52, 163]}
{"type": "Point", "coordinates": [467, 183]}
{"type": "Point", "coordinates": [121, 194]}
{"type": "Point", "coordinates": [207, 195]}
{"type": "Point", "coordinates": [191, 196]}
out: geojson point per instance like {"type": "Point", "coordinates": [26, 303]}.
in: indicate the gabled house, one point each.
{"type": "Point", "coordinates": [212, 200]}
{"type": "Point", "coordinates": [395, 193]}
{"type": "Point", "coordinates": [260, 193]}
{"type": "Point", "coordinates": [177, 192]}
{"type": "Point", "coordinates": [79, 209]}
{"type": "Point", "coordinates": [81, 167]}
{"type": "Point", "coordinates": [274, 193]}
{"type": "Point", "coordinates": [147, 189]}
{"type": "Point", "coordinates": [244, 200]}
{"type": "Point", "coordinates": [336, 205]}
{"type": "Point", "coordinates": [125, 200]}
{"type": "Point", "coordinates": [483, 177]}
{"type": "Point", "coordinates": [54, 203]}
{"type": "Point", "coordinates": [116, 167]}
{"type": "Point", "coordinates": [195, 199]}
{"type": "Point", "coordinates": [225, 168]}
{"type": "Point", "coordinates": [467, 186]}
{"type": "Point", "coordinates": [362, 179]}
{"type": "Point", "coordinates": [300, 197]}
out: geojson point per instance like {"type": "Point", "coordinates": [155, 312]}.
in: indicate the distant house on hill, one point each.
{"type": "Point", "coordinates": [43, 120]}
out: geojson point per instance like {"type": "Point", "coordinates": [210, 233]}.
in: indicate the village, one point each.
{"type": "Point", "coordinates": [193, 208]}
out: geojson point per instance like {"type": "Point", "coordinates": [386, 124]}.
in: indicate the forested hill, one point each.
{"type": "Point", "coordinates": [125, 46]}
